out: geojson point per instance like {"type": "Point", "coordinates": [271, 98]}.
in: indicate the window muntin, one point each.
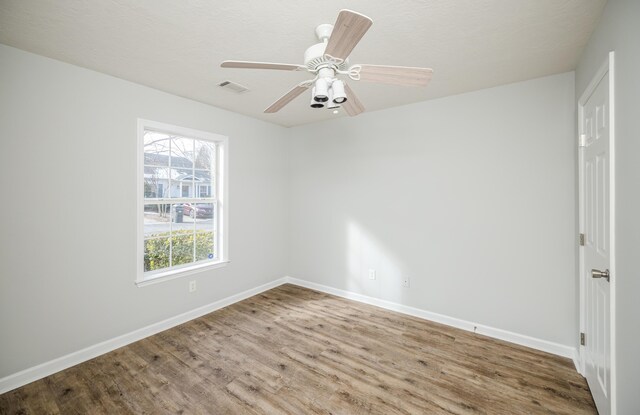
{"type": "Point", "coordinates": [182, 207]}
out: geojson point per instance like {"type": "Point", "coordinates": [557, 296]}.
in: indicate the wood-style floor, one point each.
{"type": "Point", "coordinates": [296, 351]}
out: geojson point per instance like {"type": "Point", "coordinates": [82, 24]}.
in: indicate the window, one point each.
{"type": "Point", "coordinates": [204, 190]}
{"type": "Point", "coordinates": [185, 190]}
{"type": "Point", "coordinates": [181, 201]}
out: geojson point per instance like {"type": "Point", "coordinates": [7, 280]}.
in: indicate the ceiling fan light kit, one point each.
{"type": "Point", "coordinates": [314, 102]}
{"type": "Point", "coordinates": [321, 89]}
{"type": "Point", "coordinates": [332, 104]}
{"type": "Point", "coordinates": [329, 59]}
{"type": "Point", "coordinates": [338, 94]}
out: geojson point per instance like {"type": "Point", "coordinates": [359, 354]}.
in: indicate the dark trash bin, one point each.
{"type": "Point", "coordinates": [178, 213]}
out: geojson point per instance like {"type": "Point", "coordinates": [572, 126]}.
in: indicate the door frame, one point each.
{"type": "Point", "coordinates": [607, 67]}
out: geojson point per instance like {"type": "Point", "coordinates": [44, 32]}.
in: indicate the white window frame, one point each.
{"type": "Point", "coordinates": [221, 177]}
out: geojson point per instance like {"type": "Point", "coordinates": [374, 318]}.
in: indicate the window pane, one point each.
{"type": "Point", "coordinates": [205, 152]}
{"type": "Point", "coordinates": [205, 231]}
{"type": "Point", "coordinates": [180, 221]}
{"type": "Point", "coordinates": [204, 246]}
{"type": "Point", "coordinates": [156, 181]}
{"type": "Point", "coordinates": [204, 167]}
{"type": "Point", "coordinates": [203, 181]}
{"type": "Point", "coordinates": [156, 254]}
{"type": "Point", "coordinates": [156, 220]}
{"type": "Point", "coordinates": [182, 248]}
{"type": "Point", "coordinates": [200, 212]}
{"type": "Point", "coordinates": [156, 149]}
{"type": "Point", "coordinates": [182, 152]}
{"type": "Point", "coordinates": [181, 184]}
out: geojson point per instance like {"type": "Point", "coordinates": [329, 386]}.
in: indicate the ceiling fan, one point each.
{"type": "Point", "coordinates": [328, 60]}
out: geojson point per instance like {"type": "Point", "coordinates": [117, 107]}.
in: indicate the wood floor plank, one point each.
{"type": "Point", "coordinates": [38, 398]}
{"type": "Point", "coordinates": [292, 350]}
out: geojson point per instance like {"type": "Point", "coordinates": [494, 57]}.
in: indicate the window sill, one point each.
{"type": "Point", "coordinates": [171, 275]}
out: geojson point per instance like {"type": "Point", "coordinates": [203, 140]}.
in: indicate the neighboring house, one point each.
{"type": "Point", "coordinates": [181, 179]}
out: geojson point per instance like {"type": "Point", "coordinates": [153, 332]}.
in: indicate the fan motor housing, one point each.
{"type": "Point", "coordinates": [314, 59]}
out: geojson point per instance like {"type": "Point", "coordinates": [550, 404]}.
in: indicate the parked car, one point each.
{"type": "Point", "coordinates": [198, 210]}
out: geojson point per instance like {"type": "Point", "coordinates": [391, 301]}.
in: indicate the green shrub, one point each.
{"type": "Point", "coordinates": [156, 251]}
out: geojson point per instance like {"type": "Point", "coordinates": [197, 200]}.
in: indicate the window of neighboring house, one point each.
{"type": "Point", "coordinates": [180, 231]}
{"type": "Point", "coordinates": [203, 190]}
{"type": "Point", "coordinates": [185, 190]}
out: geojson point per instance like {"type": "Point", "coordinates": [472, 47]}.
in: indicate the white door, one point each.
{"type": "Point", "coordinates": [597, 246]}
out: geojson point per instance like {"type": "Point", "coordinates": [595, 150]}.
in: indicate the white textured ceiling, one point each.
{"type": "Point", "coordinates": [177, 45]}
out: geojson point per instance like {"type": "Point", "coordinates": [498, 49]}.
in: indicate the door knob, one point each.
{"type": "Point", "coordinates": [596, 273]}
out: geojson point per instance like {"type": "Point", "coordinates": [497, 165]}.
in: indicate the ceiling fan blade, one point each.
{"type": "Point", "coordinates": [286, 98]}
{"type": "Point", "coordinates": [347, 32]}
{"type": "Point", "coordinates": [396, 75]}
{"type": "Point", "coordinates": [261, 65]}
{"type": "Point", "coordinates": [353, 106]}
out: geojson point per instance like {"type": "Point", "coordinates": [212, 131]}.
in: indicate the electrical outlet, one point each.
{"type": "Point", "coordinates": [405, 281]}
{"type": "Point", "coordinates": [192, 286]}
{"type": "Point", "coordinates": [372, 274]}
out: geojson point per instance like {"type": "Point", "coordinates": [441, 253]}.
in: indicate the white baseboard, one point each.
{"type": "Point", "coordinates": [521, 339]}
{"type": "Point", "coordinates": [45, 369]}
{"type": "Point", "coordinates": [48, 368]}
{"type": "Point", "coordinates": [577, 361]}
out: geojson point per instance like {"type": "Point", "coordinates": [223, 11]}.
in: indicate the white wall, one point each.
{"type": "Point", "coordinates": [471, 196]}
{"type": "Point", "coordinates": [619, 30]}
{"type": "Point", "coordinates": [67, 229]}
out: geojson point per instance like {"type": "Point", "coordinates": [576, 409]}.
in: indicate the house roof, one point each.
{"type": "Point", "coordinates": [157, 166]}
{"type": "Point", "coordinates": [163, 160]}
